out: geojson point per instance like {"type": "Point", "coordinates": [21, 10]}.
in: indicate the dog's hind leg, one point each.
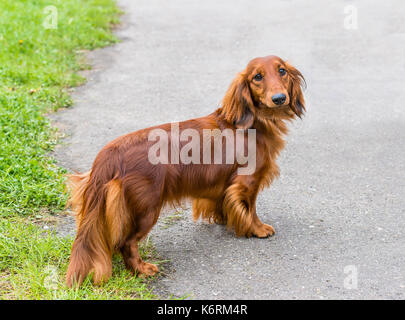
{"type": "Point", "coordinates": [130, 249]}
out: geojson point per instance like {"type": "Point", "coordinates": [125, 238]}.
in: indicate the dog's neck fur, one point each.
{"type": "Point", "coordinates": [269, 130]}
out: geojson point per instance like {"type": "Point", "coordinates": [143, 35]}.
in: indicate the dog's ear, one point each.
{"type": "Point", "coordinates": [298, 83]}
{"type": "Point", "coordinates": [237, 105]}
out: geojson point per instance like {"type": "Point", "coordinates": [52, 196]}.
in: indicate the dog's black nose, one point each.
{"type": "Point", "coordinates": [279, 98]}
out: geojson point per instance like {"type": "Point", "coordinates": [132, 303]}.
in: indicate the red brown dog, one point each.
{"type": "Point", "coordinates": [118, 202]}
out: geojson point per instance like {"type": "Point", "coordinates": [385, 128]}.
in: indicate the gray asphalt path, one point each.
{"type": "Point", "coordinates": [338, 207]}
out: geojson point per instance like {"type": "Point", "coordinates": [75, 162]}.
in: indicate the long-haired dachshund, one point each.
{"type": "Point", "coordinates": [118, 202]}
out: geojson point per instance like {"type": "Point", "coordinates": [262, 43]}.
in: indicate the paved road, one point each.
{"type": "Point", "coordinates": [339, 203]}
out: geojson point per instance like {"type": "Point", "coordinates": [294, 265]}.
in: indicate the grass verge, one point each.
{"type": "Point", "coordinates": [39, 62]}
{"type": "Point", "coordinates": [34, 263]}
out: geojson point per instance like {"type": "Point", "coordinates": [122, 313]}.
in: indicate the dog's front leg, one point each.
{"type": "Point", "coordinates": [239, 208]}
{"type": "Point", "coordinates": [258, 228]}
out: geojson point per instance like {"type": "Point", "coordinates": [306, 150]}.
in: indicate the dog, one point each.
{"type": "Point", "coordinates": [119, 200]}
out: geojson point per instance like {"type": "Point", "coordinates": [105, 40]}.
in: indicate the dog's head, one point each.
{"type": "Point", "coordinates": [268, 87]}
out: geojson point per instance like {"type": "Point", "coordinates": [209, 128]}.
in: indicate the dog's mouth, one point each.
{"type": "Point", "coordinates": [275, 110]}
{"type": "Point", "coordinates": [266, 107]}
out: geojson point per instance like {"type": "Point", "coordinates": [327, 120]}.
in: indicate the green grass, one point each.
{"type": "Point", "coordinates": [37, 68]}
{"type": "Point", "coordinates": [172, 218]}
{"type": "Point", "coordinates": [34, 263]}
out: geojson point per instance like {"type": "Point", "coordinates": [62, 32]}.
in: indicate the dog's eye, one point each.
{"type": "Point", "coordinates": [282, 71]}
{"type": "Point", "coordinates": [258, 77]}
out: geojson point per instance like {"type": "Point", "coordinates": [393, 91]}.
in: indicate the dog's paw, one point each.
{"type": "Point", "coordinates": [220, 220]}
{"type": "Point", "coordinates": [147, 269]}
{"type": "Point", "coordinates": [263, 231]}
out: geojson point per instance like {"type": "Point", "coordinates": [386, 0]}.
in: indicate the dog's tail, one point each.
{"type": "Point", "coordinates": [101, 218]}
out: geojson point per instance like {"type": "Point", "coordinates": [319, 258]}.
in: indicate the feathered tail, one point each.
{"type": "Point", "coordinates": [101, 219]}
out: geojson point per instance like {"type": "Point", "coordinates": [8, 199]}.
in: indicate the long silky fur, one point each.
{"type": "Point", "coordinates": [118, 202]}
{"type": "Point", "coordinates": [101, 218]}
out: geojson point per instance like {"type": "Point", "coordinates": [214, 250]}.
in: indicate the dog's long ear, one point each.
{"type": "Point", "coordinates": [237, 105]}
{"type": "Point", "coordinates": [297, 85]}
